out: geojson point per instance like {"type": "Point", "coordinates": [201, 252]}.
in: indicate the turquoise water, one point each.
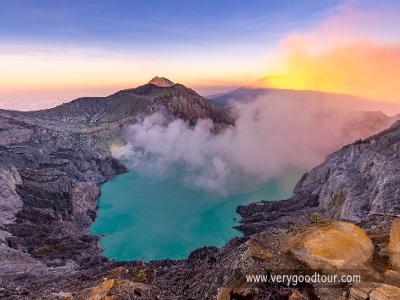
{"type": "Point", "coordinates": [144, 218]}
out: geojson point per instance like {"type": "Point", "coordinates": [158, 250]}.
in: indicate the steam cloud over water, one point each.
{"type": "Point", "coordinates": [272, 134]}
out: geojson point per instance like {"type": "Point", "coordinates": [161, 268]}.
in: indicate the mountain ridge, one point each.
{"type": "Point", "coordinates": [178, 101]}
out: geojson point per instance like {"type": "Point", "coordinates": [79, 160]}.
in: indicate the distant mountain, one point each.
{"type": "Point", "coordinates": [354, 103]}
{"type": "Point", "coordinates": [242, 94]}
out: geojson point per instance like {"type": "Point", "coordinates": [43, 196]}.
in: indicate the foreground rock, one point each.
{"type": "Point", "coordinates": [121, 283]}
{"type": "Point", "coordinates": [337, 245]}
{"type": "Point", "coordinates": [392, 277]}
{"type": "Point", "coordinates": [259, 251]}
{"type": "Point", "coordinates": [374, 291]}
{"type": "Point", "coordinates": [394, 245]}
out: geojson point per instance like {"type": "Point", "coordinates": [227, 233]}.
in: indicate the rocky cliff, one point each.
{"type": "Point", "coordinates": [357, 182]}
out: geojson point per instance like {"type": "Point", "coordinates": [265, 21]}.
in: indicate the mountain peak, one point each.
{"type": "Point", "coordinates": [161, 82]}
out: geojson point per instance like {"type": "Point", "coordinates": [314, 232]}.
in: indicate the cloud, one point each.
{"type": "Point", "coordinates": [272, 134]}
{"type": "Point", "coordinates": [353, 52]}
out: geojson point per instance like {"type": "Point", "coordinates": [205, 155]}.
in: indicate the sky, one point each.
{"type": "Point", "coordinates": [54, 51]}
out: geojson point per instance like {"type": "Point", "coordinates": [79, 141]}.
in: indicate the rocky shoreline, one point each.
{"type": "Point", "coordinates": [52, 163]}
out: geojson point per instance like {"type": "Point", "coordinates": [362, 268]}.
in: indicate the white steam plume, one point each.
{"type": "Point", "coordinates": [272, 134]}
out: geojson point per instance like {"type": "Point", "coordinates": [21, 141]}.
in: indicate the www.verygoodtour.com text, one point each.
{"type": "Point", "coordinates": [294, 279]}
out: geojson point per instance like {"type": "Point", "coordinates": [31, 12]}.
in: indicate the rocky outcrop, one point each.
{"type": "Point", "coordinates": [12, 261]}
{"type": "Point", "coordinates": [392, 276]}
{"type": "Point", "coordinates": [385, 292]}
{"type": "Point", "coordinates": [257, 250]}
{"type": "Point", "coordinates": [336, 245]}
{"type": "Point", "coordinates": [374, 291]}
{"type": "Point", "coordinates": [10, 202]}
{"type": "Point", "coordinates": [359, 181]}
{"type": "Point", "coordinates": [111, 289]}
{"type": "Point", "coordinates": [394, 244]}
{"type": "Point", "coordinates": [122, 283]}
{"type": "Point", "coordinates": [269, 215]}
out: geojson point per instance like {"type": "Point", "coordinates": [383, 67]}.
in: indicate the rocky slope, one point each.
{"type": "Point", "coordinates": [357, 182]}
{"type": "Point", "coordinates": [51, 165]}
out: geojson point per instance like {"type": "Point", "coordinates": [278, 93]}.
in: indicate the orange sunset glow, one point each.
{"type": "Point", "coordinates": [351, 51]}
{"type": "Point", "coordinates": [360, 68]}
{"type": "Point", "coordinates": [347, 53]}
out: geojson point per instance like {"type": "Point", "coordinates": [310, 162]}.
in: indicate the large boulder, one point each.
{"type": "Point", "coordinates": [101, 291]}
{"type": "Point", "coordinates": [361, 291]}
{"type": "Point", "coordinates": [337, 245]}
{"type": "Point", "coordinates": [392, 277]}
{"type": "Point", "coordinates": [394, 244]}
{"type": "Point", "coordinates": [122, 283]}
{"type": "Point", "coordinates": [118, 289]}
{"type": "Point", "coordinates": [258, 251]}
{"type": "Point", "coordinates": [374, 291]}
{"type": "Point", "coordinates": [385, 292]}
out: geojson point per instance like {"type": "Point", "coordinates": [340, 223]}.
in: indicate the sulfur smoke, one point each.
{"type": "Point", "coordinates": [272, 134]}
